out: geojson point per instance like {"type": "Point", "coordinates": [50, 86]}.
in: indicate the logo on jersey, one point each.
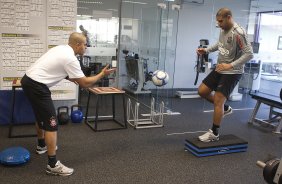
{"type": "Point", "coordinates": [223, 51]}
{"type": "Point", "coordinates": [53, 121]}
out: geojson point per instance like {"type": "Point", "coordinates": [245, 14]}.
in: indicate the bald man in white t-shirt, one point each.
{"type": "Point", "coordinates": [57, 64]}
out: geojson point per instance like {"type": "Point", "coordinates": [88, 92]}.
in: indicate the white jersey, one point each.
{"type": "Point", "coordinates": [55, 65]}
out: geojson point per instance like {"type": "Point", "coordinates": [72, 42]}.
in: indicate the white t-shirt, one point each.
{"type": "Point", "coordinates": [55, 65]}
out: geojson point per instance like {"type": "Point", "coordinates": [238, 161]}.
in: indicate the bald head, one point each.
{"type": "Point", "coordinates": [77, 41]}
{"type": "Point", "coordinates": [76, 38]}
{"type": "Point", "coordinates": [224, 12]}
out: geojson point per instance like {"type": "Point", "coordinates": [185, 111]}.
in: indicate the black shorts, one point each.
{"type": "Point", "coordinates": [40, 99]}
{"type": "Point", "coordinates": [224, 83]}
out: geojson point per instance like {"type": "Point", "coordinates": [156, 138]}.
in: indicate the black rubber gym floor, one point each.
{"type": "Point", "coordinates": [153, 155]}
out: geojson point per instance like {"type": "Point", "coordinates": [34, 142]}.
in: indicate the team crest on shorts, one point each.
{"type": "Point", "coordinates": [53, 121]}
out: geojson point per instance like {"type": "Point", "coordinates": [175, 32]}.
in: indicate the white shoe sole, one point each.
{"type": "Point", "coordinates": [41, 152]}
{"type": "Point", "coordinates": [58, 174]}
{"type": "Point", "coordinates": [209, 140]}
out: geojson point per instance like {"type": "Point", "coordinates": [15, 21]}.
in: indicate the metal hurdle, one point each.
{"type": "Point", "coordinates": [155, 119]}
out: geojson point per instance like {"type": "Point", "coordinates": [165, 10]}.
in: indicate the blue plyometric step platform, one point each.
{"type": "Point", "coordinates": [226, 144]}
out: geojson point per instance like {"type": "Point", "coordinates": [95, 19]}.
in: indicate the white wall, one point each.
{"type": "Point", "coordinates": [270, 30]}
{"type": "Point", "coordinates": [198, 22]}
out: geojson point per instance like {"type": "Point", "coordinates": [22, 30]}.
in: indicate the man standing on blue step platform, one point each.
{"type": "Point", "coordinates": [234, 51]}
{"type": "Point", "coordinates": [58, 63]}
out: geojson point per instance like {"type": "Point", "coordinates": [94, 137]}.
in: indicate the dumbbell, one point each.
{"type": "Point", "coordinates": [269, 170]}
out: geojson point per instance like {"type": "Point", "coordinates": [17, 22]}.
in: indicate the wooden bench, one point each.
{"type": "Point", "coordinates": [275, 103]}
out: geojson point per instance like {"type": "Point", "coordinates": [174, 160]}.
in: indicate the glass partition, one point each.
{"type": "Point", "coordinates": [99, 21]}
{"type": "Point", "coordinates": [102, 32]}
{"type": "Point", "coordinates": [250, 80]}
{"type": "Point", "coordinates": [147, 43]}
{"type": "Point", "coordinates": [262, 21]}
{"type": "Point", "coordinates": [167, 51]}
{"type": "Point", "coordinates": [141, 37]}
{"type": "Point", "coordinates": [265, 26]}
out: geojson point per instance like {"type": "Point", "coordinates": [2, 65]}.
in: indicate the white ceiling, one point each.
{"type": "Point", "coordinates": [86, 7]}
{"type": "Point", "coordinates": [266, 5]}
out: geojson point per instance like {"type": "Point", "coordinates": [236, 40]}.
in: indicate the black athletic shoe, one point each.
{"type": "Point", "coordinates": [228, 111]}
{"type": "Point", "coordinates": [42, 150]}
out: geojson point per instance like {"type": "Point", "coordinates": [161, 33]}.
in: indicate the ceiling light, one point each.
{"type": "Point", "coordinates": [112, 9]}
{"type": "Point", "coordinates": [134, 2]}
{"type": "Point", "coordinates": [91, 2]}
{"type": "Point", "coordinates": [84, 16]}
{"type": "Point", "coordinates": [85, 8]}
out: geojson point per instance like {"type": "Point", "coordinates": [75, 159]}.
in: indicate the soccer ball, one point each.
{"type": "Point", "coordinates": [160, 78]}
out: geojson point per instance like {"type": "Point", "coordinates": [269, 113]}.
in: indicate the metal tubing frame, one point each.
{"type": "Point", "coordinates": [253, 118]}
{"type": "Point", "coordinates": [11, 124]}
{"type": "Point", "coordinates": [155, 120]}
